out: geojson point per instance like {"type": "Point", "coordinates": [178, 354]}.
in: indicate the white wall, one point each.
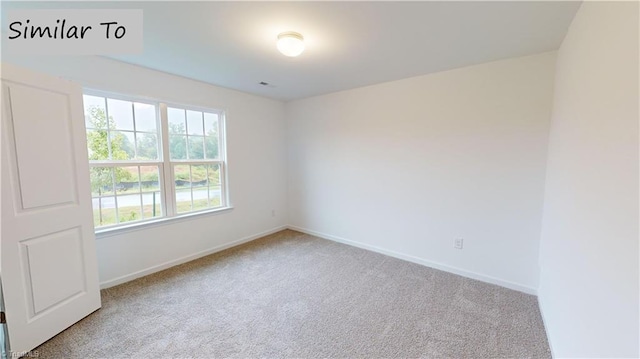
{"type": "Point", "coordinates": [405, 167]}
{"type": "Point", "coordinates": [256, 165]}
{"type": "Point", "coordinates": [589, 248]}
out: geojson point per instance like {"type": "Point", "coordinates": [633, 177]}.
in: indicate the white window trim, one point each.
{"type": "Point", "coordinates": [165, 167]}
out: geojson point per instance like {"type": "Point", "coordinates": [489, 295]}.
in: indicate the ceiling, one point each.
{"type": "Point", "coordinates": [348, 44]}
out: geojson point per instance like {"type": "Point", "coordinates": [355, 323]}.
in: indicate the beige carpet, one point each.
{"type": "Point", "coordinates": [294, 295]}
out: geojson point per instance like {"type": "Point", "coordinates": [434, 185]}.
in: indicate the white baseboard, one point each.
{"type": "Point", "coordinates": [175, 262]}
{"type": "Point", "coordinates": [424, 262]}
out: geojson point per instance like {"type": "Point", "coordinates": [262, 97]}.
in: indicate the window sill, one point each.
{"type": "Point", "coordinates": [109, 232]}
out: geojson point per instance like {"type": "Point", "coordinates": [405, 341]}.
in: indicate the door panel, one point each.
{"type": "Point", "coordinates": [39, 256]}
{"type": "Point", "coordinates": [49, 265]}
{"type": "Point", "coordinates": [48, 128]}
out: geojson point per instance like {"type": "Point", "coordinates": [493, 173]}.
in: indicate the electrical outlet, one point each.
{"type": "Point", "coordinates": [273, 213]}
{"type": "Point", "coordinates": [457, 243]}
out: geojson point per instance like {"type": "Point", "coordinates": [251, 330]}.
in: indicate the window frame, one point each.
{"type": "Point", "coordinates": [166, 175]}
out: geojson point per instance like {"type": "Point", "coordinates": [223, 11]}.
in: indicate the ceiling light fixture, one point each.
{"type": "Point", "coordinates": [290, 43]}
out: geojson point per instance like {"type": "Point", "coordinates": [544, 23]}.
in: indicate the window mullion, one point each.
{"type": "Point", "coordinates": [162, 189]}
{"type": "Point", "coordinates": [222, 174]}
{"type": "Point", "coordinates": [208, 186]}
{"type": "Point", "coordinates": [168, 182]}
{"type": "Point", "coordinates": [108, 129]}
{"type": "Point", "coordinates": [222, 156]}
{"type": "Point", "coordinates": [123, 163]}
{"type": "Point", "coordinates": [135, 133]}
{"type": "Point", "coordinates": [222, 145]}
{"type": "Point", "coordinates": [115, 195]}
{"type": "Point", "coordinates": [196, 162]}
{"type": "Point", "coordinates": [191, 185]}
{"type": "Point", "coordinates": [204, 138]}
{"type": "Point", "coordinates": [186, 134]}
{"type": "Point", "coordinates": [140, 192]}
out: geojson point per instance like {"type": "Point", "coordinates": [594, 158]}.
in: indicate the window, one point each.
{"type": "Point", "coordinates": [194, 152]}
{"type": "Point", "coordinates": [151, 160]}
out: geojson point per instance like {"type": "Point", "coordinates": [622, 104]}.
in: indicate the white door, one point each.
{"type": "Point", "coordinates": [49, 265]}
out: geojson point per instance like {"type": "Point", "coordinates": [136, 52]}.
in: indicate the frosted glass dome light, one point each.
{"type": "Point", "coordinates": [290, 43]}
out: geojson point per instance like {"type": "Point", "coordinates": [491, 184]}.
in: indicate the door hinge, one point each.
{"type": "Point", "coordinates": [3, 320]}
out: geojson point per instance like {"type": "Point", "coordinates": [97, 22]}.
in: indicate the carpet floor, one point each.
{"type": "Point", "coordinates": [294, 295]}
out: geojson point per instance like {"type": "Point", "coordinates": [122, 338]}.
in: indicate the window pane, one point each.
{"type": "Point", "coordinates": [147, 146]}
{"type": "Point", "coordinates": [182, 176]}
{"type": "Point", "coordinates": [178, 147]}
{"type": "Point", "coordinates": [122, 145]}
{"type": "Point", "coordinates": [129, 207]}
{"type": "Point", "coordinates": [183, 200]}
{"type": "Point", "coordinates": [200, 187]}
{"type": "Point", "coordinates": [211, 124]}
{"type": "Point", "coordinates": [213, 174]}
{"type": "Point", "coordinates": [97, 147]}
{"type": "Point", "coordinates": [176, 121]}
{"type": "Point", "coordinates": [200, 198]}
{"type": "Point", "coordinates": [104, 213]}
{"type": "Point", "coordinates": [90, 153]}
{"type": "Point", "coordinates": [194, 123]}
{"type": "Point", "coordinates": [121, 113]}
{"type": "Point", "coordinates": [145, 117]}
{"type": "Point", "coordinates": [196, 147]}
{"type": "Point", "coordinates": [183, 188]}
{"type": "Point", "coordinates": [152, 202]}
{"type": "Point", "coordinates": [215, 190]}
{"type": "Point", "coordinates": [94, 112]}
{"type": "Point", "coordinates": [198, 175]}
{"type": "Point", "coordinates": [127, 180]}
{"type": "Point", "coordinates": [101, 181]}
{"type": "Point", "coordinates": [211, 147]}
{"type": "Point", "coordinates": [149, 179]}
{"type": "Point", "coordinates": [102, 184]}
{"type": "Point", "coordinates": [215, 196]}
{"type": "Point", "coordinates": [211, 131]}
